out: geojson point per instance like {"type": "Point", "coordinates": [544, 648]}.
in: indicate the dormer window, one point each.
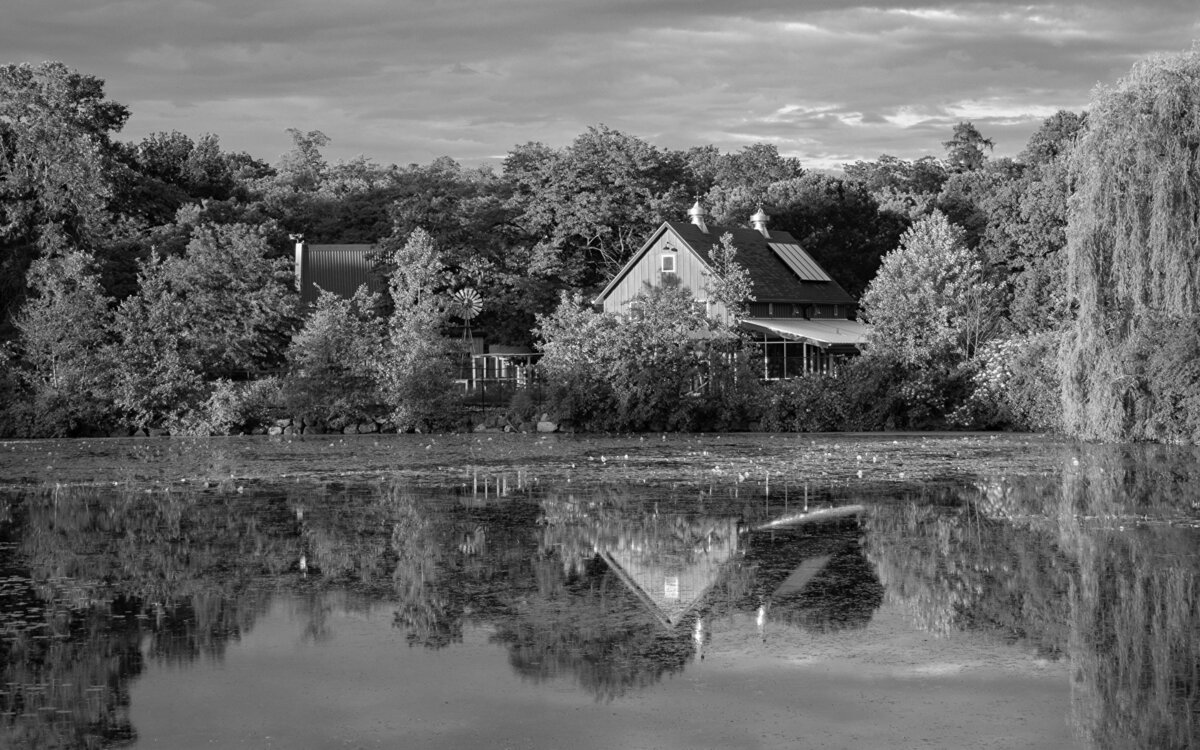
{"type": "Point", "coordinates": [668, 263]}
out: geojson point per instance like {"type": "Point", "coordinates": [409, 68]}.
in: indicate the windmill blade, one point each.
{"type": "Point", "coordinates": [468, 302]}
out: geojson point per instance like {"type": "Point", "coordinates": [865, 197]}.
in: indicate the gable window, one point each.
{"type": "Point", "coordinates": [668, 263]}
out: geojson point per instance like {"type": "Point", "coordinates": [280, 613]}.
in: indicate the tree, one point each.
{"type": "Point", "coordinates": [331, 360]}
{"type": "Point", "coordinates": [55, 164]}
{"type": "Point", "coordinates": [1133, 254]}
{"type": "Point", "coordinates": [303, 168]}
{"type": "Point", "coordinates": [625, 371]}
{"type": "Point", "coordinates": [965, 149]}
{"type": "Point", "coordinates": [1024, 240]}
{"type": "Point", "coordinates": [890, 174]}
{"type": "Point", "coordinates": [65, 326]}
{"type": "Point", "coordinates": [1055, 138]}
{"type": "Point", "coordinates": [589, 206]}
{"type": "Point", "coordinates": [754, 167]}
{"type": "Point", "coordinates": [836, 220]}
{"type": "Point", "coordinates": [930, 304]}
{"type": "Point", "coordinates": [225, 309]}
{"type": "Point", "coordinates": [417, 370]}
{"type": "Point", "coordinates": [730, 285]}
{"type": "Point", "coordinates": [472, 219]}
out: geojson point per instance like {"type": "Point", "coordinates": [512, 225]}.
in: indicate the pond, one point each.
{"type": "Point", "coordinates": [665, 591]}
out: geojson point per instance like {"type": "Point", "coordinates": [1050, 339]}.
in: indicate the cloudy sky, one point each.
{"type": "Point", "coordinates": [401, 81]}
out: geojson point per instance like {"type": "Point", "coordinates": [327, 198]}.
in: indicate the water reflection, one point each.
{"type": "Point", "coordinates": [613, 588]}
{"type": "Point", "coordinates": [1098, 564]}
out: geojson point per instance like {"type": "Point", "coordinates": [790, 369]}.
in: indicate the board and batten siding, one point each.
{"type": "Point", "coordinates": [690, 272]}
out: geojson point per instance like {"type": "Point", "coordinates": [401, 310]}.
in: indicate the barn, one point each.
{"type": "Point", "coordinates": [801, 317]}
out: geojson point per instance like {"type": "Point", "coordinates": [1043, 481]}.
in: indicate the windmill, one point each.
{"type": "Point", "coordinates": [467, 305]}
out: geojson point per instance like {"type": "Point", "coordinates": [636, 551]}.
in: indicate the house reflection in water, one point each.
{"type": "Point", "coordinates": [671, 571]}
{"type": "Point", "coordinates": [802, 570]}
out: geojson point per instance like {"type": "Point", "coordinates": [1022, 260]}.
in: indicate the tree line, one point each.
{"type": "Point", "coordinates": [147, 283]}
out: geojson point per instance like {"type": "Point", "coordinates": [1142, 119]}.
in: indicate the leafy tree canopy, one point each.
{"type": "Point", "coordinates": [590, 206]}
{"type": "Point", "coordinates": [930, 304]}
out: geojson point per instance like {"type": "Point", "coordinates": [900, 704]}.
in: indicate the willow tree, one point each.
{"type": "Point", "coordinates": [1133, 255]}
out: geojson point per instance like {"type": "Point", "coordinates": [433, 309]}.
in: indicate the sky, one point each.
{"type": "Point", "coordinates": [407, 81]}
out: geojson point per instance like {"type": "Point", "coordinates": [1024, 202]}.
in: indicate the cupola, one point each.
{"type": "Point", "coordinates": [759, 221]}
{"type": "Point", "coordinates": [696, 213]}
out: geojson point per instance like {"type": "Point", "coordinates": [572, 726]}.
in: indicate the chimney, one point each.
{"type": "Point", "coordinates": [759, 221]}
{"type": "Point", "coordinates": [300, 258]}
{"type": "Point", "coordinates": [696, 213]}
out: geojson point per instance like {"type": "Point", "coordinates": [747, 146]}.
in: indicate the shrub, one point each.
{"type": "Point", "coordinates": [662, 366]}
{"type": "Point", "coordinates": [231, 408]}
{"type": "Point", "coordinates": [1016, 384]}
{"type": "Point", "coordinates": [815, 403]}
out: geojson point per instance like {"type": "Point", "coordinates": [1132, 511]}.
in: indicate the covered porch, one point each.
{"type": "Point", "coordinates": [794, 347]}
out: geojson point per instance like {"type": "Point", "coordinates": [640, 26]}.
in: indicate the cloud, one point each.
{"type": "Point", "coordinates": [409, 81]}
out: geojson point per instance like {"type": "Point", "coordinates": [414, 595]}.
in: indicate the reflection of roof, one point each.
{"type": "Point", "coordinates": [811, 516]}
{"type": "Point", "coordinates": [670, 576]}
{"type": "Point", "coordinates": [799, 578]}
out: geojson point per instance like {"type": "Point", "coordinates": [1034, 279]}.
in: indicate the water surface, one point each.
{"type": "Point", "coordinates": [666, 591]}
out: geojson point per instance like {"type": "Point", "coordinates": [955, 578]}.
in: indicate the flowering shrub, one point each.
{"type": "Point", "coordinates": [1015, 384]}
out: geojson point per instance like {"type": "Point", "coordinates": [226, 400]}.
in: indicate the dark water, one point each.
{"type": "Point", "coordinates": [730, 593]}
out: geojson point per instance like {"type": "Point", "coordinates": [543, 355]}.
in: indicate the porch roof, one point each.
{"type": "Point", "coordinates": [822, 333]}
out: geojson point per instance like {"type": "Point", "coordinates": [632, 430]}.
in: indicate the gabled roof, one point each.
{"type": "Point", "coordinates": [772, 279]}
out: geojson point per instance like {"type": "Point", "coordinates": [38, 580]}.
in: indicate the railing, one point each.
{"type": "Point", "coordinates": [492, 379]}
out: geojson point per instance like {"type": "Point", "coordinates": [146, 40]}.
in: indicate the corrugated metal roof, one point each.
{"type": "Point", "coordinates": [340, 269]}
{"type": "Point", "coordinates": [822, 333]}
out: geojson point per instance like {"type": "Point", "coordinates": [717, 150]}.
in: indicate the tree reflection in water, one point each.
{"type": "Point", "coordinates": [1098, 564]}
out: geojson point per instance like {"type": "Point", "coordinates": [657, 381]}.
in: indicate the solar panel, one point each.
{"type": "Point", "coordinates": [799, 261]}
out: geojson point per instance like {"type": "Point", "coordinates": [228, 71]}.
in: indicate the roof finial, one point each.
{"type": "Point", "coordinates": [697, 213]}
{"type": "Point", "coordinates": [759, 221]}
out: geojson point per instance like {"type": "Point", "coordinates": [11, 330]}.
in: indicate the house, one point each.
{"type": "Point", "coordinates": [803, 319]}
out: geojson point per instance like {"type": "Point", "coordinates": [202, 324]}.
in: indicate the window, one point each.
{"type": "Point", "coordinates": [668, 263]}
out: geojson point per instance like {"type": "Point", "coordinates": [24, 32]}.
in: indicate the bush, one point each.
{"type": "Point", "coordinates": [816, 403]}
{"type": "Point", "coordinates": [232, 408]}
{"type": "Point", "coordinates": [662, 366]}
{"type": "Point", "coordinates": [1017, 384]}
